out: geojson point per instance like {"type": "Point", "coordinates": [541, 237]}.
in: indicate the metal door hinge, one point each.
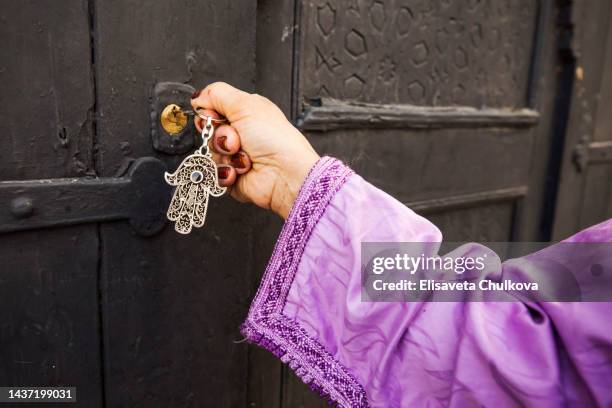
{"type": "Point", "coordinates": [141, 196]}
{"type": "Point", "coordinates": [586, 153]}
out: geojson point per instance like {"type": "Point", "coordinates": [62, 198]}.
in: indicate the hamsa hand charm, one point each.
{"type": "Point", "coordinates": [195, 179]}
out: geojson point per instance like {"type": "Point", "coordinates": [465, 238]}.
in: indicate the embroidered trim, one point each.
{"type": "Point", "coordinates": [266, 324]}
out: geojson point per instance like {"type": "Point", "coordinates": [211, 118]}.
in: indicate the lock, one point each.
{"type": "Point", "coordinates": [172, 129]}
{"type": "Point", "coordinates": [173, 119]}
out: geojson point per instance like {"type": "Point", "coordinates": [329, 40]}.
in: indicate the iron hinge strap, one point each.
{"type": "Point", "coordinates": [141, 197]}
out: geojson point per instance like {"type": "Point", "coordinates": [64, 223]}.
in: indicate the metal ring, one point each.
{"type": "Point", "coordinates": [206, 117]}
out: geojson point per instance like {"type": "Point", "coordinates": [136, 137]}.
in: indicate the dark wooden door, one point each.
{"type": "Point", "coordinates": [585, 180]}
{"type": "Point", "coordinates": [171, 305]}
{"type": "Point", "coordinates": [129, 315]}
{"type": "Point", "coordinates": [49, 286]}
{"type": "Point", "coordinates": [454, 107]}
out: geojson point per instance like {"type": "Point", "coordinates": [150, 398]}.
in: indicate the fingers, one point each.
{"type": "Point", "coordinates": [207, 112]}
{"type": "Point", "coordinates": [222, 98]}
{"type": "Point", "coordinates": [225, 142]}
{"type": "Point", "coordinates": [226, 175]}
{"type": "Point", "coordinates": [225, 149]}
{"type": "Point", "coordinates": [225, 138]}
{"type": "Point", "coordinates": [240, 161]}
{"type": "Point", "coordinates": [216, 100]}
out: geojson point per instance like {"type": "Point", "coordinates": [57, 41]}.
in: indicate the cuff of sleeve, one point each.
{"type": "Point", "coordinates": [266, 324]}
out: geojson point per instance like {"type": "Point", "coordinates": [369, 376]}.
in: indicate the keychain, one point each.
{"type": "Point", "coordinates": [194, 179]}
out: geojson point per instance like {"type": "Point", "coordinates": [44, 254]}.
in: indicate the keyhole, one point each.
{"type": "Point", "coordinates": [197, 176]}
{"type": "Point", "coordinates": [173, 119]}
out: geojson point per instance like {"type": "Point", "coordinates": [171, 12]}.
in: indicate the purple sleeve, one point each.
{"type": "Point", "coordinates": [308, 312]}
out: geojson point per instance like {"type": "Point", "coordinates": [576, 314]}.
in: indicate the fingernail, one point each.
{"type": "Point", "coordinates": [238, 161]}
{"type": "Point", "coordinates": [196, 94]}
{"type": "Point", "coordinates": [222, 142]}
{"type": "Point", "coordinates": [223, 172]}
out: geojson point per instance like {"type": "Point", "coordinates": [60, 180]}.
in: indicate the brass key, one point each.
{"type": "Point", "coordinates": [174, 119]}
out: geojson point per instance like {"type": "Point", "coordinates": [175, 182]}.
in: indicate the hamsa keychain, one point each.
{"type": "Point", "coordinates": [195, 179]}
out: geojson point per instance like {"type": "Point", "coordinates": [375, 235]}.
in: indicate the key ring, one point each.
{"type": "Point", "coordinates": [199, 113]}
{"type": "Point", "coordinates": [207, 133]}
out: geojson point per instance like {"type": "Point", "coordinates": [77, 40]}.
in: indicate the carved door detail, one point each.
{"type": "Point", "coordinates": [429, 100]}
{"type": "Point", "coordinates": [431, 53]}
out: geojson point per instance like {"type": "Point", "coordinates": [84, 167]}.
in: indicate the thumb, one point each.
{"type": "Point", "coordinates": [222, 98]}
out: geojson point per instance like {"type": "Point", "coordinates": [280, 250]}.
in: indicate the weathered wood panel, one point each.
{"type": "Point", "coordinates": [49, 318]}
{"type": "Point", "coordinates": [331, 114]}
{"type": "Point", "coordinates": [49, 327]}
{"type": "Point", "coordinates": [428, 164]}
{"type": "Point", "coordinates": [597, 195]}
{"type": "Point", "coordinates": [172, 304]}
{"type": "Point", "coordinates": [434, 53]}
{"type": "Point", "coordinates": [297, 395]}
{"type": "Point", "coordinates": [484, 223]}
{"type": "Point", "coordinates": [584, 185]}
{"type": "Point", "coordinates": [47, 99]}
{"type": "Point", "coordinates": [534, 217]}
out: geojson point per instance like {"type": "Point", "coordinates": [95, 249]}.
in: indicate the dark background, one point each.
{"type": "Point", "coordinates": [490, 117]}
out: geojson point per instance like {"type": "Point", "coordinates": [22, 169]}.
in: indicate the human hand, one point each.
{"type": "Point", "coordinates": [262, 158]}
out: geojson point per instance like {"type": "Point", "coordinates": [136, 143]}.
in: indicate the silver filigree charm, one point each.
{"type": "Point", "coordinates": [195, 179]}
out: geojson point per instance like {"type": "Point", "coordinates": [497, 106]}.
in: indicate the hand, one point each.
{"type": "Point", "coordinates": [262, 158]}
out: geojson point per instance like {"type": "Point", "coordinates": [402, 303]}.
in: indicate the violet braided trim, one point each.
{"type": "Point", "coordinates": [266, 324]}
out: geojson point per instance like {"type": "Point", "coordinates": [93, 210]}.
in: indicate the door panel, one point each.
{"type": "Point", "coordinates": [443, 87]}
{"type": "Point", "coordinates": [47, 98]}
{"type": "Point", "coordinates": [427, 53]}
{"type": "Point", "coordinates": [585, 184]}
{"type": "Point", "coordinates": [49, 331]}
{"type": "Point", "coordinates": [172, 304]}
{"type": "Point", "coordinates": [48, 278]}
{"type": "Point", "coordinates": [482, 223]}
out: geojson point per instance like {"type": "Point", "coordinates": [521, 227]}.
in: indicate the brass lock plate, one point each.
{"type": "Point", "coordinates": [173, 119]}
{"type": "Point", "coordinates": [172, 131]}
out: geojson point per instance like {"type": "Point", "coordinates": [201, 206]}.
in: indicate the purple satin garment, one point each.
{"type": "Point", "coordinates": [308, 312]}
